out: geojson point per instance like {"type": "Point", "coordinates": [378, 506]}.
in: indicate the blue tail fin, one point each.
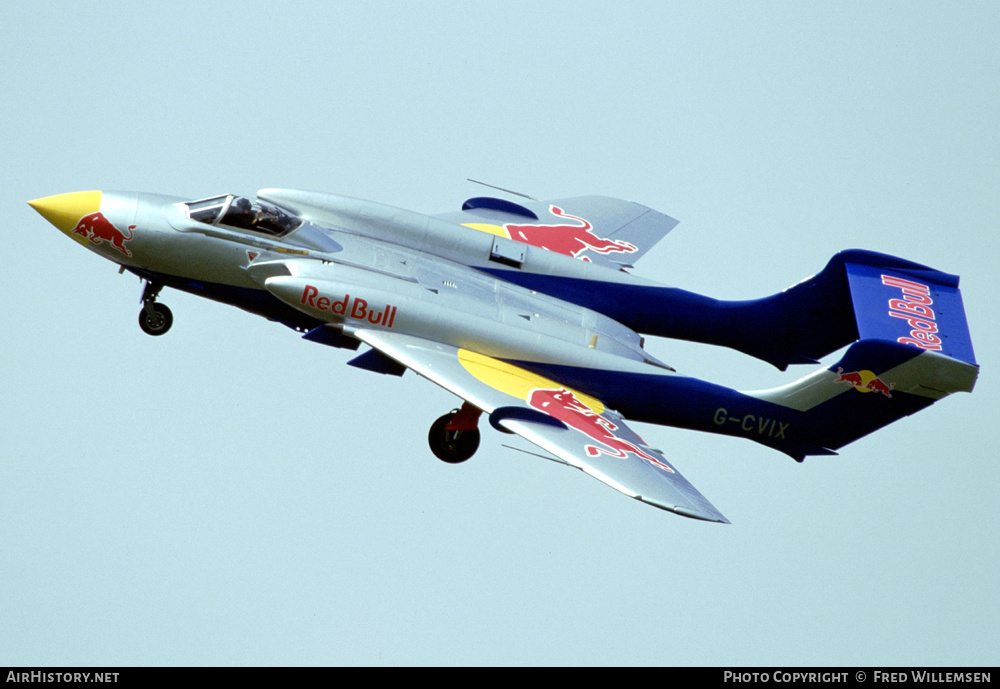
{"type": "Point", "coordinates": [921, 308]}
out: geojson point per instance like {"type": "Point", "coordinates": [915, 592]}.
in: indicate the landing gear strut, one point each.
{"type": "Point", "coordinates": [454, 437]}
{"type": "Point", "coordinates": [155, 318]}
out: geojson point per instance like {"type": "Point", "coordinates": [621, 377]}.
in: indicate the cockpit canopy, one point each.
{"type": "Point", "coordinates": [243, 214]}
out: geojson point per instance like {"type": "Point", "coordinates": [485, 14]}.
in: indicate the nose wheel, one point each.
{"type": "Point", "coordinates": [155, 318]}
{"type": "Point", "coordinates": [454, 437]}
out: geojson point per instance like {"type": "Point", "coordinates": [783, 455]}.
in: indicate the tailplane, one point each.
{"type": "Point", "coordinates": [875, 383]}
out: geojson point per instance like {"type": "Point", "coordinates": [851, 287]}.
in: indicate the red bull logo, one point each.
{"type": "Point", "coordinates": [864, 381]}
{"type": "Point", "coordinates": [915, 309]}
{"type": "Point", "coordinates": [99, 229]}
{"type": "Point", "coordinates": [562, 404]}
{"type": "Point", "coordinates": [356, 307]}
{"type": "Point", "coordinates": [572, 237]}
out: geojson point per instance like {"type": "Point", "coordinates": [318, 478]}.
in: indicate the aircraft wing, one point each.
{"type": "Point", "coordinates": [598, 229]}
{"type": "Point", "coordinates": [574, 427]}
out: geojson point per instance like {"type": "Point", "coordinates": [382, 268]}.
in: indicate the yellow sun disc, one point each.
{"type": "Point", "coordinates": [516, 381]}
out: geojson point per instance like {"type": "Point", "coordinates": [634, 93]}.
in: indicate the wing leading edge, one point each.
{"type": "Point", "coordinates": [574, 427]}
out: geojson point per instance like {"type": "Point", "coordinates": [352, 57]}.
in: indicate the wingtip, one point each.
{"type": "Point", "coordinates": [713, 516]}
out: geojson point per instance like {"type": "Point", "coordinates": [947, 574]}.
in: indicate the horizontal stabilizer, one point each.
{"type": "Point", "coordinates": [875, 383]}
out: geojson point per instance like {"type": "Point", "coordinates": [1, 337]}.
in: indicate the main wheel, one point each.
{"type": "Point", "coordinates": [155, 320]}
{"type": "Point", "coordinates": [452, 446]}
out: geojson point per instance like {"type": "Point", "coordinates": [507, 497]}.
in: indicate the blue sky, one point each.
{"type": "Point", "coordinates": [230, 494]}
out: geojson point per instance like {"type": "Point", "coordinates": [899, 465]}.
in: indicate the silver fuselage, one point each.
{"type": "Point", "coordinates": [351, 264]}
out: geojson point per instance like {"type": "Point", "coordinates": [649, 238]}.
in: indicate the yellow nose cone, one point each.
{"type": "Point", "coordinates": [65, 210]}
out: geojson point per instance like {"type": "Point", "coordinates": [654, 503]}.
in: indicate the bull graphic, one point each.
{"type": "Point", "coordinates": [99, 229]}
{"type": "Point", "coordinates": [564, 405]}
{"type": "Point", "coordinates": [571, 238]}
{"type": "Point", "coordinates": [851, 377]}
{"type": "Point", "coordinates": [878, 385]}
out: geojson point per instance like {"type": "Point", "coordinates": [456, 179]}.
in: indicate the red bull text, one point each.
{"type": "Point", "coordinates": [565, 406]}
{"type": "Point", "coordinates": [915, 309]}
{"type": "Point", "coordinates": [356, 308]}
{"type": "Point", "coordinates": [99, 229]}
{"type": "Point", "coordinates": [570, 238]}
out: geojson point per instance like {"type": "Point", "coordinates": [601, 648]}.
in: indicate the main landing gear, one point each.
{"type": "Point", "coordinates": [454, 437]}
{"type": "Point", "coordinates": [155, 318]}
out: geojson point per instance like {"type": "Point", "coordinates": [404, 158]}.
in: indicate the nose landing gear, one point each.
{"type": "Point", "coordinates": [454, 437]}
{"type": "Point", "coordinates": [155, 318]}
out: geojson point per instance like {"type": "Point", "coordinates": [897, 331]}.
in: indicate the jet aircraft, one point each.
{"type": "Point", "coordinates": [528, 312]}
